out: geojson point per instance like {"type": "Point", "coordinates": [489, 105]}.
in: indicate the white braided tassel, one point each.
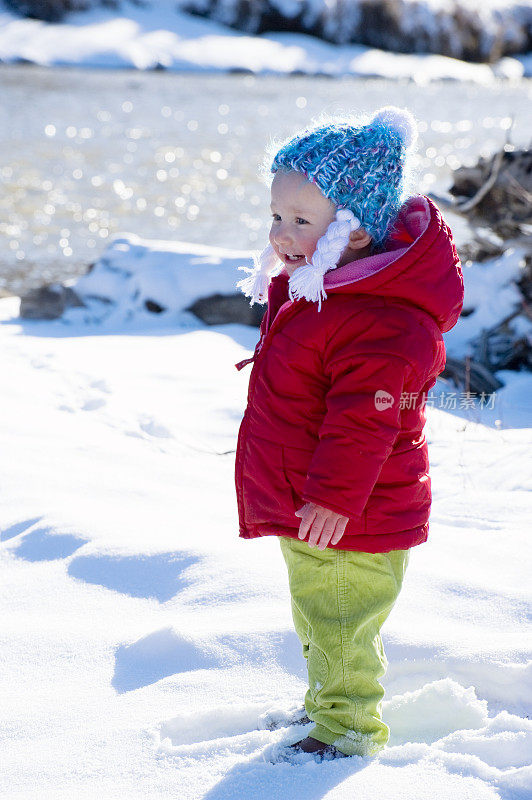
{"type": "Point", "coordinates": [307, 281]}
{"type": "Point", "coordinates": [256, 284]}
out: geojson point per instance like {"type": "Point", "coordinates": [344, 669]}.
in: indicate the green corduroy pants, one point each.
{"type": "Point", "coordinates": [340, 599]}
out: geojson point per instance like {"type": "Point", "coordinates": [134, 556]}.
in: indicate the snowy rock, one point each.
{"type": "Point", "coordinates": [137, 279]}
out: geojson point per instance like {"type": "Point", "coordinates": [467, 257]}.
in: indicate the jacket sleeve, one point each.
{"type": "Point", "coordinates": [361, 424]}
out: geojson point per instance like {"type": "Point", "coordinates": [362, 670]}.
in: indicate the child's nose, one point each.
{"type": "Point", "coordinates": [281, 236]}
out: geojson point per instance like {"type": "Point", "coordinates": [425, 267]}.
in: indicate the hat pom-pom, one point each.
{"type": "Point", "coordinates": [399, 120]}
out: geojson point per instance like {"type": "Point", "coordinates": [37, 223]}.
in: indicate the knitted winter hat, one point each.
{"type": "Point", "coordinates": [360, 167]}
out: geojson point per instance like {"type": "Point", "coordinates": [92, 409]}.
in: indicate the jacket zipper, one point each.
{"type": "Point", "coordinates": [264, 332]}
{"type": "Point", "coordinates": [265, 340]}
{"type": "Point", "coordinates": [239, 464]}
{"type": "Point", "coordinates": [258, 346]}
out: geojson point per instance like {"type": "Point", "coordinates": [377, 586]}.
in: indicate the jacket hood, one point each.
{"type": "Point", "coordinates": [419, 264]}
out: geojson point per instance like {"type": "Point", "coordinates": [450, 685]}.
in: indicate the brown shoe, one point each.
{"type": "Point", "coordinates": [310, 745]}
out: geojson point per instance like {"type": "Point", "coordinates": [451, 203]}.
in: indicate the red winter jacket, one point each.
{"type": "Point", "coordinates": [335, 409]}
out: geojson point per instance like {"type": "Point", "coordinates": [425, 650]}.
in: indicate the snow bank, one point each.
{"type": "Point", "coordinates": [160, 35]}
{"type": "Point", "coordinates": [457, 29]}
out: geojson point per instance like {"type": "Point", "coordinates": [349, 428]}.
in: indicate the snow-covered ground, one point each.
{"type": "Point", "coordinates": [141, 640]}
{"type": "Point", "coordinates": [159, 34]}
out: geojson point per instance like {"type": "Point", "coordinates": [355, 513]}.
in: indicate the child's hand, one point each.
{"type": "Point", "coordinates": [322, 525]}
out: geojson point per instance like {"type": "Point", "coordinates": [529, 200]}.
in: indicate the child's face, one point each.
{"type": "Point", "coordinates": [301, 215]}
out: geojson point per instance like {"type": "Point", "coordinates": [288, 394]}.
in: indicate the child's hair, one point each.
{"type": "Point", "coordinates": [363, 165]}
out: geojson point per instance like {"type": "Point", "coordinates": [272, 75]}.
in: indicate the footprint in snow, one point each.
{"type": "Point", "coordinates": [90, 397]}
{"type": "Point", "coordinates": [93, 403]}
{"type": "Point", "coordinates": [42, 362]}
{"type": "Point", "coordinates": [87, 403]}
{"type": "Point", "coordinates": [101, 385]}
{"type": "Point", "coordinates": [153, 428]}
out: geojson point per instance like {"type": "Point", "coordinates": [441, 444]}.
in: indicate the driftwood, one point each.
{"type": "Point", "coordinates": [498, 348]}
{"type": "Point", "coordinates": [468, 205]}
{"type": "Point", "coordinates": [495, 195]}
{"type": "Point", "coordinates": [496, 191]}
{"type": "Point", "coordinates": [470, 376]}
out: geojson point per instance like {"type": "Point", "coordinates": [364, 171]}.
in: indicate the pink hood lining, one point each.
{"type": "Point", "coordinates": [413, 219]}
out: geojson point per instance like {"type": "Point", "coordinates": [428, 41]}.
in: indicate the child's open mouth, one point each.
{"type": "Point", "coordinates": [291, 259]}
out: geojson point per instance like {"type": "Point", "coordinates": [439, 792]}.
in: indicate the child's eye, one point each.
{"type": "Point", "coordinates": [299, 220]}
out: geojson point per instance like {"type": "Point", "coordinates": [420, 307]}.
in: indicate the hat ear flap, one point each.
{"type": "Point", "coordinates": [256, 284]}
{"type": "Point", "coordinates": [307, 281]}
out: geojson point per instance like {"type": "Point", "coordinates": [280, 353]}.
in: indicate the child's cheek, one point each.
{"type": "Point", "coordinates": [312, 241]}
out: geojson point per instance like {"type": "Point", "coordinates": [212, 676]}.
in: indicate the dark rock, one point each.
{"type": "Point", "coordinates": [54, 10]}
{"type": "Point", "coordinates": [48, 302]}
{"type": "Point", "coordinates": [240, 71]}
{"type": "Point", "coordinates": [47, 10]}
{"type": "Point", "coordinates": [218, 309]}
{"type": "Point", "coordinates": [154, 307]}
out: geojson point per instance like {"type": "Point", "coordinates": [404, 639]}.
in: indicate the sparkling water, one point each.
{"type": "Point", "coordinates": [88, 153]}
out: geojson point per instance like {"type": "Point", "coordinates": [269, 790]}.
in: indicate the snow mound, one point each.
{"type": "Point", "coordinates": [434, 711]}
{"type": "Point", "coordinates": [152, 281]}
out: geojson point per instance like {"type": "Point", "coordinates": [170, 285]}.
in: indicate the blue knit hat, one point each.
{"type": "Point", "coordinates": [361, 166]}
{"type": "Point", "coordinates": [357, 166]}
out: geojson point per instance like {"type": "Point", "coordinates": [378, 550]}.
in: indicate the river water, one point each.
{"type": "Point", "coordinates": [88, 153]}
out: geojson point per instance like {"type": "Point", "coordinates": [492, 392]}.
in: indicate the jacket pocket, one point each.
{"type": "Point", "coordinates": [400, 507]}
{"type": "Point", "coordinates": [295, 464]}
{"type": "Point", "coordinates": [295, 467]}
{"type": "Point", "coordinates": [267, 495]}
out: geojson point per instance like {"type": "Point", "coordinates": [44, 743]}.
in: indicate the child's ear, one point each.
{"type": "Point", "coordinates": [359, 239]}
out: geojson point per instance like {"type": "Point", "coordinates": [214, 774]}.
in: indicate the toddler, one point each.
{"type": "Point", "coordinates": [361, 278]}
